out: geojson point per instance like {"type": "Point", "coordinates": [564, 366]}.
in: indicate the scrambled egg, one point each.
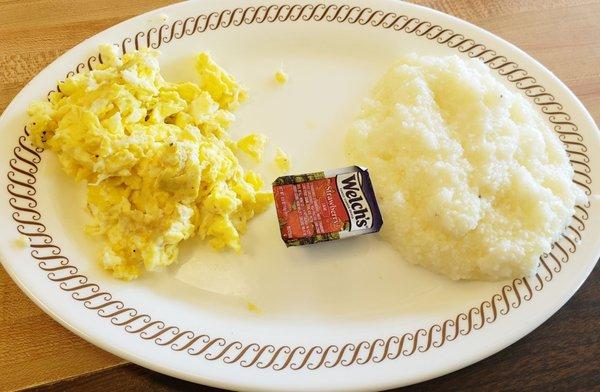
{"type": "Point", "coordinates": [21, 242]}
{"type": "Point", "coordinates": [282, 160]}
{"type": "Point", "coordinates": [252, 308]}
{"type": "Point", "coordinates": [253, 145]}
{"type": "Point", "coordinates": [159, 164]}
{"type": "Point", "coordinates": [281, 77]}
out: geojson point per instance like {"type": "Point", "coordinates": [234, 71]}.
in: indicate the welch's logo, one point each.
{"type": "Point", "coordinates": [359, 211]}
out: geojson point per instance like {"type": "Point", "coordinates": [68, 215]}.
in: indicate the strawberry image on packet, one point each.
{"type": "Point", "coordinates": [326, 206]}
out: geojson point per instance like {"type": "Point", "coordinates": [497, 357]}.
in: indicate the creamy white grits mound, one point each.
{"type": "Point", "coordinates": [470, 180]}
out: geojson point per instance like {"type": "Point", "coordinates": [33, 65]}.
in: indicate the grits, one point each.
{"type": "Point", "coordinates": [470, 180]}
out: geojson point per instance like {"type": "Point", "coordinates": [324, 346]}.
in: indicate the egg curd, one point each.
{"type": "Point", "coordinates": [158, 161]}
{"type": "Point", "coordinates": [281, 77]}
{"type": "Point", "coordinates": [282, 160]}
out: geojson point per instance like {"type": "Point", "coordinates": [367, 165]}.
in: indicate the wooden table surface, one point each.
{"type": "Point", "coordinates": [563, 354]}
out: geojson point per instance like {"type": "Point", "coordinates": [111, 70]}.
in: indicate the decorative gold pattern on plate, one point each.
{"type": "Point", "coordinates": [59, 269]}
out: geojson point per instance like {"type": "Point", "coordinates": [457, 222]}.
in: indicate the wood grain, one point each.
{"type": "Point", "coordinates": [563, 354]}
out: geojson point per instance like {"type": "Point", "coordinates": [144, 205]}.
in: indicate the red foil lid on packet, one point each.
{"type": "Point", "coordinates": [326, 206]}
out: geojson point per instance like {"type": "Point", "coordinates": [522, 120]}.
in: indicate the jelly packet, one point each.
{"type": "Point", "coordinates": [325, 206]}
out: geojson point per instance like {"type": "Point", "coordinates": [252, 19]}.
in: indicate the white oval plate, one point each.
{"type": "Point", "coordinates": [340, 316]}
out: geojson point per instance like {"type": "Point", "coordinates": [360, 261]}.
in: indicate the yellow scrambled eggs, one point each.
{"type": "Point", "coordinates": [282, 160]}
{"type": "Point", "coordinates": [281, 77]}
{"type": "Point", "coordinates": [159, 164]}
{"type": "Point", "coordinates": [253, 145]}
